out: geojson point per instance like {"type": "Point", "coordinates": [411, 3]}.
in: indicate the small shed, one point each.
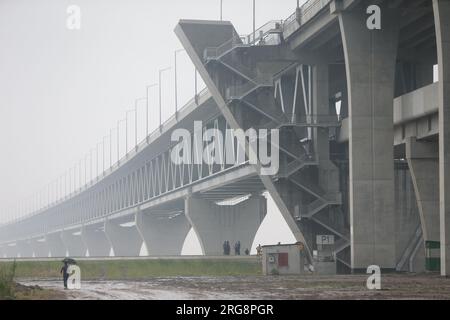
{"type": "Point", "coordinates": [283, 259]}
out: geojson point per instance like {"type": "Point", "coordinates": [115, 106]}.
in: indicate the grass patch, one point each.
{"type": "Point", "coordinates": [139, 269]}
{"type": "Point", "coordinates": [7, 274]}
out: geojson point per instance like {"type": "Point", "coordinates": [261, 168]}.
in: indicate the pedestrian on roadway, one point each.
{"type": "Point", "coordinates": [65, 274]}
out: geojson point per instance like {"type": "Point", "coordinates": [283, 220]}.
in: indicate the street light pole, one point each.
{"type": "Point", "coordinates": [118, 143]}
{"type": "Point", "coordinates": [126, 131]}
{"type": "Point", "coordinates": [110, 147]}
{"type": "Point", "coordinates": [147, 109]}
{"type": "Point", "coordinates": [90, 170]}
{"type": "Point", "coordinates": [97, 168]}
{"type": "Point", "coordinates": [160, 96]}
{"type": "Point", "coordinates": [136, 104]}
{"type": "Point", "coordinates": [254, 20]}
{"type": "Point", "coordinates": [221, 10]}
{"type": "Point", "coordinates": [103, 142]}
{"type": "Point", "coordinates": [176, 81]}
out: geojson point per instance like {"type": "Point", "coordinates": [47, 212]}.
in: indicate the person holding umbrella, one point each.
{"type": "Point", "coordinates": [65, 273]}
{"type": "Point", "coordinates": [65, 270]}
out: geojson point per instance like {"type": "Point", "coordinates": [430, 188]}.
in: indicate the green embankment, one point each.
{"type": "Point", "coordinates": [140, 269]}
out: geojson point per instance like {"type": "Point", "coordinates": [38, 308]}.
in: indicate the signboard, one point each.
{"type": "Point", "coordinates": [325, 239]}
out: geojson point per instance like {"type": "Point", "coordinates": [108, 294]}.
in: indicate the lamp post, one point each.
{"type": "Point", "coordinates": [103, 142]}
{"type": "Point", "coordinates": [97, 168]}
{"type": "Point", "coordinates": [90, 169]}
{"type": "Point", "coordinates": [160, 96]}
{"type": "Point", "coordinates": [136, 103]}
{"type": "Point", "coordinates": [126, 130]}
{"type": "Point", "coordinates": [74, 180]}
{"type": "Point", "coordinates": [221, 10]}
{"type": "Point", "coordinates": [147, 107]}
{"type": "Point", "coordinates": [110, 147]}
{"type": "Point", "coordinates": [176, 79]}
{"type": "Point", "coordinates": [254, 20]}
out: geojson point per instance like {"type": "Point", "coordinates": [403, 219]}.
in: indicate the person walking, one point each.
{"type": "Point", "coordinates": [237, 248]}
{"type": "Point", "coordinates": [224, 248]}
{"type": "Point", "coordinates": [65, 274]}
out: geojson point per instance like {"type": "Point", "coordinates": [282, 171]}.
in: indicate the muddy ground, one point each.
{"type": "Point", "coordinates": [257, 287]}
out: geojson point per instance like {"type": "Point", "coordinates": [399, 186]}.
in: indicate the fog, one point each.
{"type": "Point", "coordinates": [62, 91]}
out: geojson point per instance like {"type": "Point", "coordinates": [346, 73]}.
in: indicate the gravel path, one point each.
{"type": "Point", "coordinates": [266, 288]}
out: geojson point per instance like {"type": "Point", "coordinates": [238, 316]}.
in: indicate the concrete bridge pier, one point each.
{"type": "Point", "coordinates": [370, 58]}
{"type": "Point", "coordinates": [74, 243]}
{"type": "Point", "coordinates": [423, 162]}
{"type": "Point", "coordinates": [215, 224]}
{"type": "Point", "coordinates": [163, 235]}
{"type": "Point", "coordinates": [25, 249]}
{"type": "Point", "coordinates": [96, 241]}
{"type": "Point", "coordinates": [40, 248]}
{"type": "Point", "coordinates": [441, 10]}
{"type": "Point", "coordinates": [124, 238]}
{"type": "Point", "coordinates": [56, 245]}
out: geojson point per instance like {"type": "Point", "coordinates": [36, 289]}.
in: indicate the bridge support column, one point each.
{"type": "Point", "coordinates": [125, 240]}
{"type": "Point", "coordinates": [328, 173]}
{"type": "Point", "coordinates": [74, 243]}
{"type": "Point", "coordinates": [423, 162]}
{"type": "Point", "coordinates": [163, 235]}
{"type": "Point", "coordinates": [215, 224]}
{"type": "Point", "coordinates": [56, 245]}
{"type": "Point", "coordinates": [370, 57]}
{"type": "Point", "coordinates": [40, 248]}
{"type": "Point", "coordinates": [441, 16]}
{"type": "Point", "coordinates": [25, 249]}
{"type": "Point", "coordinates": [96, 241]}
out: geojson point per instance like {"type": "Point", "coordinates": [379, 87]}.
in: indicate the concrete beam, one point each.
{"type": "Point", "coordinates": [124, 238]}
{"type": "Point", "coordinates": [163, 235]}
{"type": "Point", "coordinates": [96, 241]}
{"type": "Point", "coordinates": [441, 10]}
{"type": "Point", "coordinates": [215, 224]}
{"type": "Point", "coordinates": [370, 57]}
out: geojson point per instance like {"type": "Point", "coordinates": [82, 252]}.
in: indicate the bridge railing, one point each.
{"type": "Point", "coordinates": [302, 15]}
{"type": "Point", "coordinates": [262, 33]}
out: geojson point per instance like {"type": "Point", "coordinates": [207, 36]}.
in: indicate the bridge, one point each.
{"type": "Point", "coordinates": [363, 151]}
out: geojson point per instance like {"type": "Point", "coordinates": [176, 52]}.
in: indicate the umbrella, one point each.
{"type": "Point", "coordinates": [69, 261]}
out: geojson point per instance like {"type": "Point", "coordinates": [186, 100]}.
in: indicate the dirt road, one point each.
{"type": "Point", "coordinates": [259, 287]}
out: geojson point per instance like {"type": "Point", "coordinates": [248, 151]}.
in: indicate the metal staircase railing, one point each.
{"type": "Point", "coordinates": [303, 15]}
{"type": "Point", "coordinates": [262, 33]}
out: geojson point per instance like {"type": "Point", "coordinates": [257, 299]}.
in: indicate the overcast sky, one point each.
{"type": "Point", "coordinates": [62, 90]}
